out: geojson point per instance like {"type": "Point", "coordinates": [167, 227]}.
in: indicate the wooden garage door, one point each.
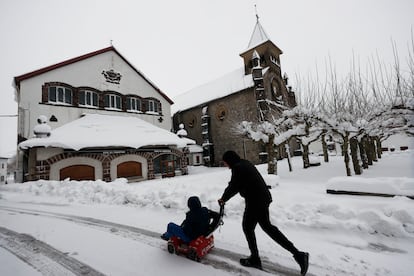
{"type": "Point", "coordinates": [129, 169]}
{"type": "Point", "coordinates": [78, 172]}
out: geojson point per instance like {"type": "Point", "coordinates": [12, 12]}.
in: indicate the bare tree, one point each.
{"type": "Point", "coordinates": [360, 111]}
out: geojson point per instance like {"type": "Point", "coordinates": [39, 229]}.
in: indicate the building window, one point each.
{"type": "Point", "coordinates": [112, 101]}
{"type": "Point", "coordinates": [133, 104]}
{"type": "Point", "coordinates": [166, 164]}
{"type": "Point", "coordinates": [88, 98]}
{"type": "Point", "coordinates": [59, 94]}
{"type": "Point", "coordinates": [221, 112]}
{"type": "Point", "coordinates": [153, 106]}
{"type": "Point", "coordinates": [274, 60]}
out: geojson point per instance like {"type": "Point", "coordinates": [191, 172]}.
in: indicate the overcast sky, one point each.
{"type": "Point", "coordinates": [181, 44]}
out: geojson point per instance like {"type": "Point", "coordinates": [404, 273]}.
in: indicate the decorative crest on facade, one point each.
{"type": "Point", "coordinates": [111, 76]}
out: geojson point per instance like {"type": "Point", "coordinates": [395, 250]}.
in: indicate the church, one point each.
{"type": "Point", "coordinates": [211, 112]}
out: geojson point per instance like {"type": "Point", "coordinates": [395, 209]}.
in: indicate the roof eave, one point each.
{"type": "Point", "coordinates": [46, 69]}
{"type": "Point", "coordinates": [260, 44]}
{"type": "Point", "coordinates": [200, 105]}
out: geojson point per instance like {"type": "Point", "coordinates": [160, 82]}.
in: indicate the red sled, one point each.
{"type": "Point", "coordinates": [195, 250]}
{"type": "Point", "coordinates": [198, 248]}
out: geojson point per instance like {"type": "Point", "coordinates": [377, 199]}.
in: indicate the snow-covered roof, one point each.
{"type": "Point", "coordinates": [188, 141]}
{"type": "Point", "coordinates": [226, 85]}
{"type": "Point", "coordinates": [195, 148]}
{"type": "Point", "coordinates": [191, 145]}
{"type": "Point", "coordinates": [101, 131]}
{"type": "Point", "coordinates": [258, 36]}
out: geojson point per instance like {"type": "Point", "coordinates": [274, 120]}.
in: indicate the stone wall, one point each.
{"type": "Point", "coordinates": [225, 114]}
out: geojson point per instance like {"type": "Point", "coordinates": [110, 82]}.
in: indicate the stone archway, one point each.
{"type": "Point", "coordinates": [130, 166]}
{"type": "Point", "coordinates": [76, 168]}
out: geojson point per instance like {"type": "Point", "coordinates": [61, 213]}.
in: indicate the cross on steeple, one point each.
{"type": "Point", "coordinates": [259, 35]}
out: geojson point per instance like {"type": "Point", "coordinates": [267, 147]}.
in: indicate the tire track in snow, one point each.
{"type": "Point", "coordinates": [41, 256]}
{"type": "Point", "coordinates": [218, 258]}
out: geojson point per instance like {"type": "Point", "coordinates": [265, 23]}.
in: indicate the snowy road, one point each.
{"type": "Point", "coordinates": [50, 261]}
{"type": "Point", "coordinates": [114, 227]}
{"type": "Point", "coordinates": [44, 258]}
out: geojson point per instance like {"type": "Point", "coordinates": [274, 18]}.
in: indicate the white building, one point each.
{"type": "Point", "coordinates": [3, 170]}
{"type": "Point", "coordinates": [194, 151]}
{"type": "Point", "coordinates": [101, 82]}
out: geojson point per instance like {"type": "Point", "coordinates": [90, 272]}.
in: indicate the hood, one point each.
{"type": "Point", "coordinates": [194, 203]}
{"type": "Point", "coordinates": [231, 158]}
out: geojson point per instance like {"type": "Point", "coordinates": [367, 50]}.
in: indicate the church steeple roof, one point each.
{"type": "Point", "coordinates": [258, 36]}
{"type": "Point", "coordinates": [265, 49]}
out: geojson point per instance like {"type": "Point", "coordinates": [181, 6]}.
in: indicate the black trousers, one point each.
{"type": "Point", "coordinates": [254, 215]}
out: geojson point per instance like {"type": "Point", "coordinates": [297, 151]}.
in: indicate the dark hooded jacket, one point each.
{"type": "Point", "coordinates": [246, 180]}
{"type": "Point", "coordinates": [197, 220]}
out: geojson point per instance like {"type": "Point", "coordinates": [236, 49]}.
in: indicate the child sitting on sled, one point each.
{"type": "Point", "coordinates": [197, 222]}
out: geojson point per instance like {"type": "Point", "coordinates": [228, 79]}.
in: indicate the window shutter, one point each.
{"type": "Point", "coordinates": [44, 94]}
{"type": "Point", "coordinates": [82, 97]}
{"type": "Point", "coordinates": [155, 106]}
{"type": "Point", "coordinates": [52, 94]}
{"type": "Point", "coordinates": [144, 106]}
{"type": "Point", "coordinates": [118, 102]}
{"type": "Point", "coordinates": [128, 104]}
{"type": "Point", "coordinates": [139, 108]}
{"type": "Point", "coordinates": [94, 99]}
{"type": "Point", "coordinates": [106, 100]}
{"type": "Point", "coordinates": [68, 95]}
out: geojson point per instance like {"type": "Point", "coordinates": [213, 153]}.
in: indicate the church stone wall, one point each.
{"type": "Point", "coordinates": [225, 114]}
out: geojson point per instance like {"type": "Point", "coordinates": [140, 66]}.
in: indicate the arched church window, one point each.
{"type": "Point", "coordinates": [221, 112]}
{"type": "Point", "coordinates": [192, 121]}
{"type": "Point", "coordinates": [276, 92]}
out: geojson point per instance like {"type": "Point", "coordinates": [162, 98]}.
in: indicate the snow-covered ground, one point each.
{"type": "Point", "coordinates": [344, 234]}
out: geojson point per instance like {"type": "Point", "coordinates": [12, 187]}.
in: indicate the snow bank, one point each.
{"type": "Point", "coordinates": [300, 198]}
{"type": "Point", "coordinates": [402, 186]}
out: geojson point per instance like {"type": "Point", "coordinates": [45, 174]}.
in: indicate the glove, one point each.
{"type": "Point", "coordinates": [221, 202]}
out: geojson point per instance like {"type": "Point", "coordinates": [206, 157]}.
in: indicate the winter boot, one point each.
{"type": "Point", "coordinates": [302, 258]}
{"type": "Point", "coordinates": [251, 262]}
